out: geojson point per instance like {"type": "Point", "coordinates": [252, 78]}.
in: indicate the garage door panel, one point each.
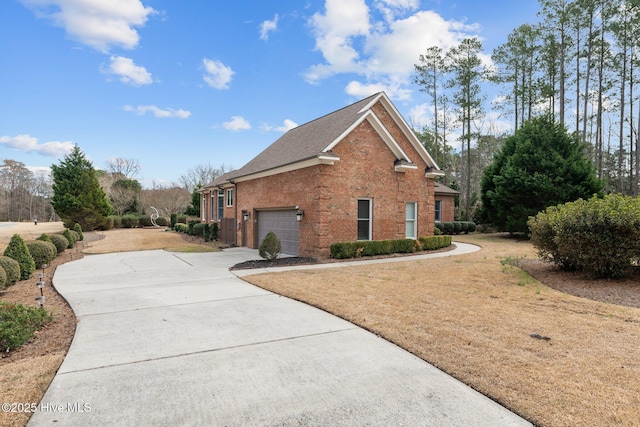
{"type": "Point", "coordinates": [284, 225]}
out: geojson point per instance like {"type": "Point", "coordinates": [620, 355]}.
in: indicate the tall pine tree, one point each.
{"type": "Point", "coordinates": [77, 195]}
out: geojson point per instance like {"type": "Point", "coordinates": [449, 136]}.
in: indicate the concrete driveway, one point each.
{"type": "Point", "coordinates": [173, 339]}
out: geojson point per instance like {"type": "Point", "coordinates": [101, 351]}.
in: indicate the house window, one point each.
{"type": "Point", "coordinates": [220, 205]}
{"type": "Point", "coordinates": [229, 197]}
{"type": "Point", "coordinates": [364, 219]}
{"type": "Point", "coordinates": [410, 224]}
{"type": "Point", "coordinates": [438, 210]}
{"type": "Point", "coordinates": [203, 207]}
{"type": "Point", "coordinates": [212, 209]}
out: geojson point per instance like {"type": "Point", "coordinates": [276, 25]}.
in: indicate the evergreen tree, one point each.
{"type": "Point", "coordinates": [18, 250]}
{"type": "Point", "coordinates": [77, 195]}
{"type": "Point", "coordinates": [194, 208]}
{"type": "Point", "coordinates": [541, 165]}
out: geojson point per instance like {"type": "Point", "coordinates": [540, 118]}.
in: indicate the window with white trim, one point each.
{"type": "Point", "coordinates": [364, 219]}
{"type": "Point", "coordinates": [229, 197]}
{"type": "Point", "coordinates": [220, 205]}
{"type": "Point", "coordinates": [410, 223]}
{"type": "Point", "coordinates": [212, 209]}
{"type": "Point", "coordinates": [438, 210]}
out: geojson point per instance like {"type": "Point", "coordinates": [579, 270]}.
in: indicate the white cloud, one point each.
{"type": "Point", "coordinates": [99, 24]}
{"type": "Point", "coordinates": [268, 27]}
{"type": "Point", "coordinates": [353, 39]}
{"type": "Point", "coordinates": [167, 113]}
{"type": "Point", "coordinates": [128, 71]}
{"type": "Point", "coordinates": [237, 123]}
{"type": "Point", "coordinates": [287, 125]}
{"type": "Point", "coordinates": [216, 74]}
{"type": "Point", "coordinates": [30, 144]}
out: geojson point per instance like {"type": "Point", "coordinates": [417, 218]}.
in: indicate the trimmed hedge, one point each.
{"type": "Point", "coordinates": [70, 237]}
{"type": "Point", "coordinates": [42, 252]}
{"type": "Point", "coordinates": [3, 279]}
{"type": "Point", "coordinates": [78, 229]}
{"type": "Point", "coordinates": [60, 242]}
{"type": "Point", "coordinates": [197, 229]}
{"type": "Point", "coordinates": [181, 228]}
{"type": "Point", "coordinates": [129, 221]}
{"type": "Point", "coordinates": [343, 250]}
{"type": "Point", "coordinates": [431, 243]}
{"type": "Point", "coordinates": [456, 227]}
{"type": "Point", "coordinates": [11, 268]}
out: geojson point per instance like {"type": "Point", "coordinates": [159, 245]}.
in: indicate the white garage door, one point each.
{"type": "Point", "coordinates": [284, 225]}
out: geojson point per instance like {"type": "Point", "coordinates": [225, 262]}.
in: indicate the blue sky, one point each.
{"type": "Point", "coordinates": [174, 84]}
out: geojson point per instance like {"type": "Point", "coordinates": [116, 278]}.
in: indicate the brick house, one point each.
{"type": "Point", "coordinates": [358, 173]}
{"type": "Point", "coordinates": [445, 204]}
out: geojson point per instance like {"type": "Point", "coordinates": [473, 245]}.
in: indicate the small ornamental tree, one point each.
{"type": "Point", "coordinates": [270, 247]}
{"type": "Point", "coordinates": [17, 249]}
{"type": "Point", "coordinates": [539, 166]}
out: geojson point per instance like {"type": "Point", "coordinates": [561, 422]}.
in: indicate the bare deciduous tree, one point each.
{"type": "Point", "coordinates": [202, 174]}
{"type": "Point", "coordinates": [126, 168]}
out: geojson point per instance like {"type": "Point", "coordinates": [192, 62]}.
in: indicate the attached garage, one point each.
{"type": "Point", "coordinates": [284, 224]}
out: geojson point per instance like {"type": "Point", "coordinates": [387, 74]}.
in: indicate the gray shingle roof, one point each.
{"type": "Point", "coordinates": [305, 141]}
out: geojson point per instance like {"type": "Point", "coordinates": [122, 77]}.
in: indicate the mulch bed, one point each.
{"type": "Point", "coordinates": [279, 262]}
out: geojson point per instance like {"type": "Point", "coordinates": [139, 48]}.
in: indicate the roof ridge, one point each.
{"type": "Point", "coordinates": [339, 109]}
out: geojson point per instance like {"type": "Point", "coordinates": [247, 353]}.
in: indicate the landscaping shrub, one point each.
{"type": "Point", "coordinates": [75, 235]}
{"type": "Point", "coordinates": [44, 237]}
{"type": "Point", "coordinates": [78, 229]}
{"type": "Point", "coordinates": [600, 236]}
{"type": "Point", "coordinates": [431, 243]}
{"type": "Point", "coordinates": [18, 324]}
{"type": "Point", "coordinates": [403, 246]}
{"type": "Point", "coordinates": [129, 221]}
{"type": "Point", "coordinates": [60, 242]}
{"type": "Point", "coordinates": [162, 221]}
{"type": "Point", "coordinates": [182, 219]}
{"type": "Point", "coordinates": [436, 230]}
{"type": "Point", "coordinates": [182, 228]}
{"type": "Point", "coordinates": [72, 241]}
{"type": "Point", "coordinates": [206, 233]}
{"type": "Point", "coordinates": [448, 227]}
{"type": "Point", "coordinates": [456, 227]}
{"type": "Point", "coordinates": [3, 280]}
{"type": "Point", "coordinates": [344, 250]}
{"type": "Point", "coordinates": [41, 252]}
{"type": "Point", "coordinates": [214, 232]}
{"type": "Point", "coordinates": [270, 247]}
{"type": "Point", "coordinates": [191, 224]}
{"type": "Point", "coordinates": [197, 229]}
{"type": "Point", "coordinates": [174, 220]}
{"type": "Point", "coordinates": [11, 268]}
{"type": "Point", "coordinates": [145, 221]}
{"type": "Point", "coordinates": [17, 249]}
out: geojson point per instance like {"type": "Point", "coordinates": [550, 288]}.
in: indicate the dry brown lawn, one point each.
{"type": "Point", "coordinates": [473, 315]}
{"type": "Point", "coordinates": [25, 374]}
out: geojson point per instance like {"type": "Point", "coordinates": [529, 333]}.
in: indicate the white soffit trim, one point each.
{"type": "Point", "coordinates": [377, 125]}
{"type": "Point", "coordinates": [319, 160]}
{"type": "Point", "coordinates": [406, 129]}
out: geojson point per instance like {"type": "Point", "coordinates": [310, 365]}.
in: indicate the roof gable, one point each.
{"type": "Point", "coordinates": [312, 142]}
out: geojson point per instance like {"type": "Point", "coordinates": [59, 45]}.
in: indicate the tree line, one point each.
{"type": "Point", "coordinates": [26, 194]}
{"type": "Point", "coordinates": [579, 62]}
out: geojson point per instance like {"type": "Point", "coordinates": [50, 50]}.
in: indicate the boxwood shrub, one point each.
{"type": "Point", "coordinates": [18, 324]}
{"type": "Point", "coordinates": [343, 250]}
{"type": "Point", "coordinates": [11, 268]}
{"type": "Point", "coordinates": [70, 237]}
{"type": "Point", "coordinates": [197, 229]}
{"type": "Point", "coordinates": [42, 252]}
{"type": "Point", "coordinates": [129, 221]}
{"type": "Point", "coordinates": [60, 242]}
{"type": "Point", "coordinates": [431, 243]}
{"type": "Point", "coordinates": [181, 228]}
{"type": "Point", "coordinates": [3, 279]}
{"type": "Point", "coordinates": [456, 227]}
{"type": "Point", "coordinates": [78, 229]}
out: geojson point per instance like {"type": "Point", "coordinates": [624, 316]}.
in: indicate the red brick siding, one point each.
{"type": "Point", "coordinates": [447, 207]}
